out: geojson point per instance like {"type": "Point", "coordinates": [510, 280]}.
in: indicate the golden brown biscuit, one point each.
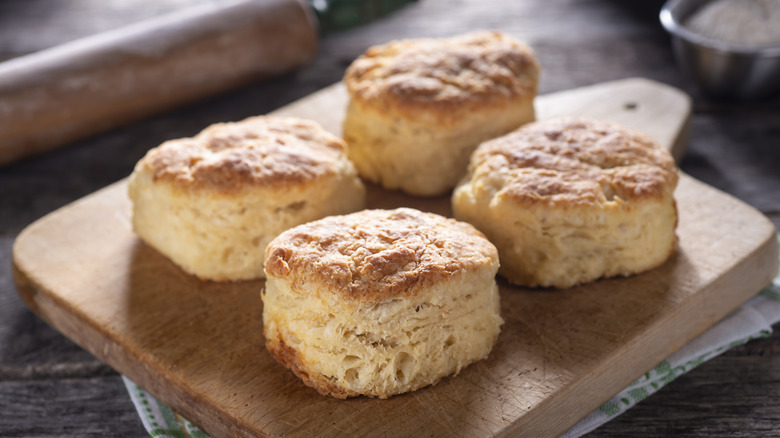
{"type": "Point", "coordinates": [380, 302]}
{"type": "Point", "coordinates": [418, 108]}
{"type": "Point", "coordinates": [571, 200]}
{"type": "Point", "coordinates": [212, 203]}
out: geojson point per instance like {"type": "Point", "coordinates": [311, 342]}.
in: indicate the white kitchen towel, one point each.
{"type": "Point", "coordinates": [752, 320]}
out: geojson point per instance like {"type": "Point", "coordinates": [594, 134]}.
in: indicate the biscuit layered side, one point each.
{"type": "Point", "coordinates": [418, 108]}
{"type": "Point", "coordinates": [571, 200]}
{"type": "Point", "coordinates": [212, 203]}
{"type": "Point", "coordinates": [380, 302]}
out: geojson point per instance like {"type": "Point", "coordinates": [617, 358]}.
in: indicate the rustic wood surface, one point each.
{"type": "Point", "coordinates": [137, 313]}
{"type": "Point", "coordinates": [51, 387]}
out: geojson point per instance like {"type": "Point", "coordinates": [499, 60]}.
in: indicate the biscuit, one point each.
{"type": "Point", "coordinates": [571, 200]}
{"type": "Point", "coordinates": [212, 203]}
{"type": "Point", "coordinates": [418, 108]}
{"type": "Point", "coordinates": [380, 302]}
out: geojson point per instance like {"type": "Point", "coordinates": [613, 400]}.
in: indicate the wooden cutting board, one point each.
{"type": "Point", "coordinates": [198, 346]}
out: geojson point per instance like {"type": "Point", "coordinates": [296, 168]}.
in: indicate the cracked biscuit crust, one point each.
{"type": "Point", "coordinates": [380, 302]}
{"type": "Point", "coordinates": [375, 255]}
{"type": "Point", "coordinates": [452, 76]}
{"type": "Point", "coordinates": [568, 201]}
{"type": "Point", "coordinates": [263, 150]}
{"type": "Point", "coordinates": [574, 161]}
{"type": "Point", "coordinates": [213, 202]}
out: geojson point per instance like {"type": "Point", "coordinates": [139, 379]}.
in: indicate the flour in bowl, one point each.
{"type": "Point", "coordinates": [752, 23]}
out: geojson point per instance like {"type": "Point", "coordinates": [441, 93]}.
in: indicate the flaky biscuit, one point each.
{"type": "Point", "coordinates": [212, 203]}
{"type": "Point", "coordinates": [380, 302]}
{"type": "Point", "coordinates": [418, 108]}
{"type": "Point", "coordinates": [571, 200]}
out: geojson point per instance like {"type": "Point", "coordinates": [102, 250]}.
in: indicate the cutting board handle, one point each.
{"type": "Point", "coordinates": [71, 91]}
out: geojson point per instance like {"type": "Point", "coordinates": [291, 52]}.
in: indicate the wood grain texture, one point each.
{"type": "Point", "coordinates": [736, 382]}
{"type": "Point", "coordinates": [198, 346]}
{"type": "Point", "coordinates": [733, 147]}
{"type": "Point", "coordinates": [102, 402]}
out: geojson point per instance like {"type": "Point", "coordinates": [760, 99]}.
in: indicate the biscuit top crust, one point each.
{"type": "Point", "coordinates": [375, 255]}
{"type": "Point", "coordinates": [571, 161]}
{"type": "Point", "coordinates": [449, 73]}
{"type": "Point", "coordinates": [263, 150]}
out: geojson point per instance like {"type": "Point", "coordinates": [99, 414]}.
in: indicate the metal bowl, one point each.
{"type": "Point", "coordinates": [722, 70]}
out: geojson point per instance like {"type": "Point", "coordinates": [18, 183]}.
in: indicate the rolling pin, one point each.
{"type": "Point", "coordinates": [88, 86]}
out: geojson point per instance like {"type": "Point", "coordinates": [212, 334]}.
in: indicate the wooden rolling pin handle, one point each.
{"type": "Point", "coordinates": [71, 91]}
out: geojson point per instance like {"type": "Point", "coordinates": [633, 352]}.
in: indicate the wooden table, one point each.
{"type": "Point", "coordinates": [51, 387]}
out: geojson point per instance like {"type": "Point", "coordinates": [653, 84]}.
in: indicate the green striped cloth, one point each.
{"type": "Point", "coordinates": [158, 419]}
{"type": "Point", "coordinates": [752, 320]}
